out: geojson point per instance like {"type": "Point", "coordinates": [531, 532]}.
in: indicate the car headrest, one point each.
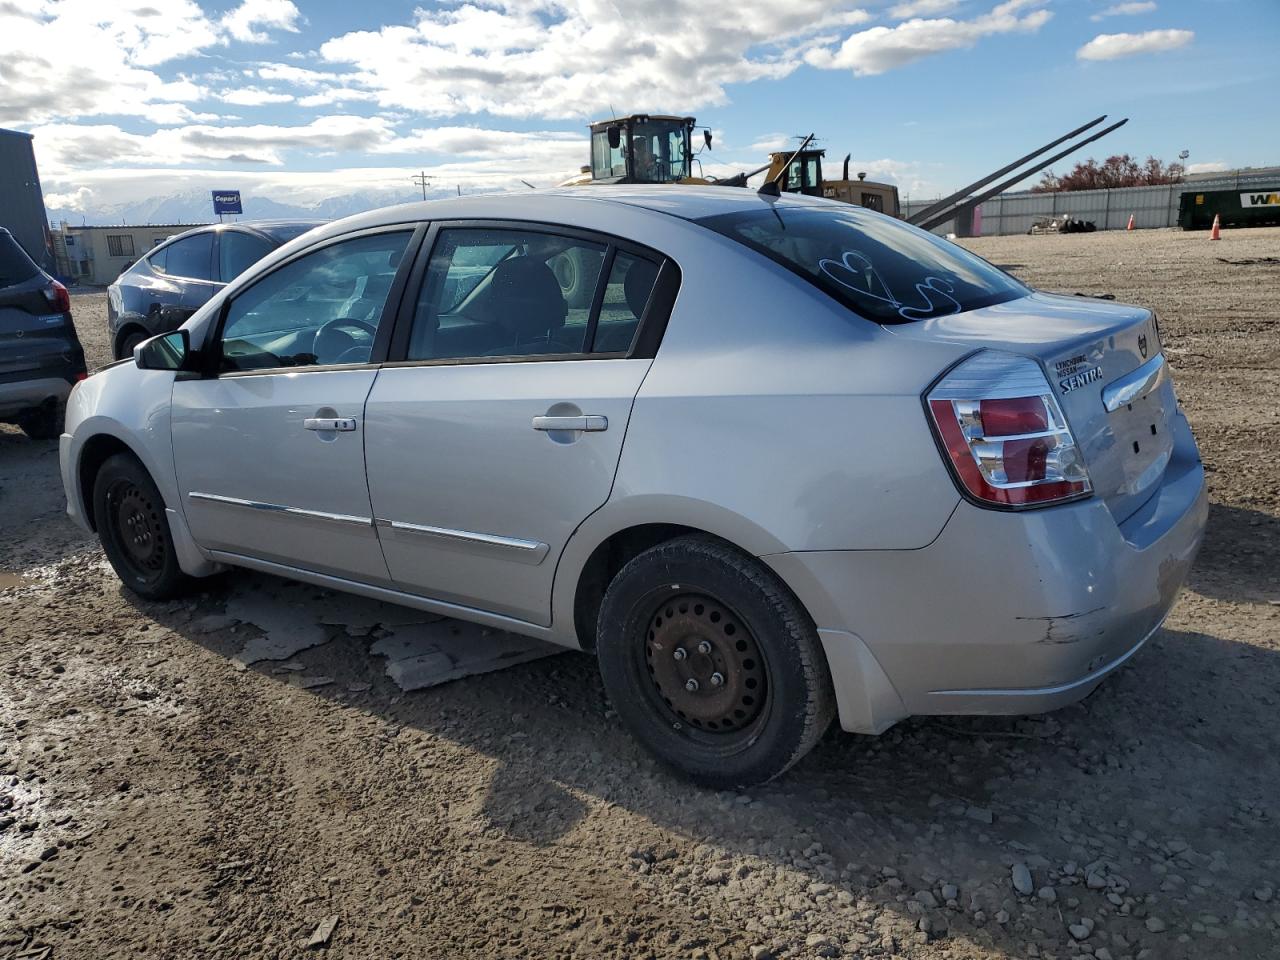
{"type": "Point", "coordinates": [524, 297]}
{"type": "Point", "coordinates": [638, 285]}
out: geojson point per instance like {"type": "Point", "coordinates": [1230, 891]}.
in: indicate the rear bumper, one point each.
{"type": "Point", "coordinates": [1004, 613]}
{"type": "Point", "coordinates": [19, 395]}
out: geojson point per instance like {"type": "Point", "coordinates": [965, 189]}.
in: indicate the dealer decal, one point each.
{"type": "Point", "coordinates": [1072, 373]}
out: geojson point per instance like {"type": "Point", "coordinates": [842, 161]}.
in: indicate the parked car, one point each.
{"type": "Point", "coordinates": [40, 354]}
{"type": "Point", "coordinates": [166, 286]}
{"type": "Point", "coordinates": [794, 459]}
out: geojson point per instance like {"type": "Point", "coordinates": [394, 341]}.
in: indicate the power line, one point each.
{"type": "Point", "coordinates": [421, 179]}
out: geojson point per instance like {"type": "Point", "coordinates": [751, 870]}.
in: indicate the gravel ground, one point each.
{"type": "Point", "coordinates": [157, 799]}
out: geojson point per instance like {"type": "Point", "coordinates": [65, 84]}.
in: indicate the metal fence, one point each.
{"type": "Point", "coordinates": [1012, 213]}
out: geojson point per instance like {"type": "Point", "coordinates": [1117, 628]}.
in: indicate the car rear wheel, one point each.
{"type": "Point", "coordinates": [128, 342]}
{"type": "Point", "coordinates": [712, 664]}
{"type": "Point", "coordinates": [128, 511]}
{"type": "Point", "coordinates": [42, 423]}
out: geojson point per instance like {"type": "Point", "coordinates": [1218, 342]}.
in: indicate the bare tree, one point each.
{"type": "Point", "coordinates": [1121, 170]}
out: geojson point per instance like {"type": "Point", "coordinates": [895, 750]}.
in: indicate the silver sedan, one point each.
{"type": "Point", "coordinates": [772, 460]}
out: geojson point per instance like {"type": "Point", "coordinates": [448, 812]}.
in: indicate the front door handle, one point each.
{"type": "Point", "coordinates": [587, 424]}
{"type": "Point", "coordinates": [338, 424]}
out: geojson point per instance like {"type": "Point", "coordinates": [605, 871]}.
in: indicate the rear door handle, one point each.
{"type": "Point", "coordinates": [587, 424]}
{"type": "Point", "coordinates": [338, 424]}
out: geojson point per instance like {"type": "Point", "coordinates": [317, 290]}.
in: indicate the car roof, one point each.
{"type": "Point", "coordinates": [558, 204]}
{"type": "Point", "coordinates": [280, 231]}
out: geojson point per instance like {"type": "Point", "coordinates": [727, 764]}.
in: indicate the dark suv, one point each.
{"type": "Point", "coordinates": [178, 277]}
{"type": "Point", "coordinates": [40, 354]}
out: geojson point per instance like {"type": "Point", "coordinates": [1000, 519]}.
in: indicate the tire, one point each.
{"type": "Point", "coordinates": [128, 342]}
{"type": "Point", "coordinates": [732, 618]}
{"type": "Point", "coordinates": [43, 423]}
{"type": "Point", "coordinates": [577, 276]}
{"type": "Point", "coordinates": [128, 511]}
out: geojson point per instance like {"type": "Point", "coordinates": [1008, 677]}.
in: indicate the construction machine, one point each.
{"type": "Point", "coordinates": [800, 171]}
{"type": "Point", "coordinates": [643, 148]}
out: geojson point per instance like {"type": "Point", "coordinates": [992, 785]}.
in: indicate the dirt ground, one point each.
{"type": "Point", "coordinates": [157, 799]}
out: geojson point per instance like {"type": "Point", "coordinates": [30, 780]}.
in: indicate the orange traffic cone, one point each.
{"type": "Point", "coordinates": [1216, 232]}
{"type": "Point", "coordinates": [1130, 226]}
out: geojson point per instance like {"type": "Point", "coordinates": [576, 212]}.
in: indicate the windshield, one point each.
{"type": "Point", "coordinates": [880, 267]}
{"type": "Point", "coordinates": [659, 151]}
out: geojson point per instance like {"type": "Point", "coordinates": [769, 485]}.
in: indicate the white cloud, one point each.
{"type": "Point", "coordinates": [1112, 46]}
{"type": "Point", "coordinates": [63, 148]}
{"type": "Point", "coordinates": [921, 8]}
{"type": "Point", "coordinates": [879, 49]}
{"type": "Point", "coordinates": [577, 57]}
{"type": "Point", "coordinates": [249, 22]}
{"type": "Point", "coordinates": [771, 142]}
{"type": "Point", "coordinates": [81, 58]}
{"type": "Point", "coordinates": [1208, 166]}
{"type": "Point", "coordinates": [1125, 9]}
{"type": "Point", "coordinates": [253, 96]}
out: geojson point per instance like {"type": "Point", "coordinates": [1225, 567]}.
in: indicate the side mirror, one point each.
{"type": "Point", "coordinates": [615, 137]}
{"type": "Point", "coordinates": [168, 351]}
{"type": "Point", "coordinates": [706, 138]}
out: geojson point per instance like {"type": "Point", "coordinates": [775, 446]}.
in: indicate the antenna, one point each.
{"type": "Point", "coordinates": [770, 187]}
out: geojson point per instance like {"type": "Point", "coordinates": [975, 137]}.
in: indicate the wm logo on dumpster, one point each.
{"type": "Point", "coordinates": [1260, 199]}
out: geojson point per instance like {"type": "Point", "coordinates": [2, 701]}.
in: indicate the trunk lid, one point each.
{"type": "Point", "coordinates": [1085, 345]}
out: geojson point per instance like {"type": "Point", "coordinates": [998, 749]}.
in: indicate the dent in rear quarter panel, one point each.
{"type": "Point", "coordinates": [775, 404]}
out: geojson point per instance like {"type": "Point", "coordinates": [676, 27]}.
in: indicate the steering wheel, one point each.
{"type": "Point", "coordinates": [342, 338]}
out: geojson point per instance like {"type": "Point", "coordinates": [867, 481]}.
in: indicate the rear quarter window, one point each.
{"type": "Point", "coordinates": [15, 265]}
{"type": "Point", "coordinates": [881, 268]}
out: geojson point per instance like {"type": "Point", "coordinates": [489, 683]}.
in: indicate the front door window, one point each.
{"type": "Point", "coordinates": [323, 308]}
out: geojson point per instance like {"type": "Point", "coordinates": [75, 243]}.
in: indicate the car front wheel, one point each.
{"type": "Point", "coordinates": [712, 664]}
{"type": "Point", "coordinates": [128, 511]}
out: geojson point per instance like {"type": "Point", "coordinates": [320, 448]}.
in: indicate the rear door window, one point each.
{"type": "Point", "coordinates": [190, 258]}
{"type": "Point", "coordinates": [882, 268]}
{"type": "Point", "coordinates": [505, 293]}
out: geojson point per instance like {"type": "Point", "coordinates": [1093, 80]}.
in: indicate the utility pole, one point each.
{"type": "Point", "coordinates": [421, 179]}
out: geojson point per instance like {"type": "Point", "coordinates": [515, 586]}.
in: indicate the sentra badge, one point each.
{"type": "Point", "coordinates": [1072, 373]}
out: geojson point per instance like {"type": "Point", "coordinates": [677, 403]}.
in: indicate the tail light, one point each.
{"type": "Point", "coordinates": [1008, 442]}
{"type": "Point", "coordinates": [58, 297]}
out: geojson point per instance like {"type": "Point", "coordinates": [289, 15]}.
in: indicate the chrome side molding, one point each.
{"type": "Point", "coordinates": [1135, 385]}
{"type": "Point", "coordinates": [511, 548]}
{"type": "Point", "coordinates": [281, 508]}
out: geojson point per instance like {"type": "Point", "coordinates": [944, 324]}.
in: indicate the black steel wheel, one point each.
{"type": "Point", "coordinates": [712, 663]}
{"type": "Point", "coordinates": [129, 513]}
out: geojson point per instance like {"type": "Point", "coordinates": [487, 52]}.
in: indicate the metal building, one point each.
{"type": "Point", "coordinates": [21, 200]}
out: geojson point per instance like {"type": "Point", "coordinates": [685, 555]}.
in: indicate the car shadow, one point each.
{"type": "Point", "coordinates": [1149, 757]}
{"type": "Point", "coordinates": [34, 526]}
{"type": "Point", "coordinates": [1240, 557]}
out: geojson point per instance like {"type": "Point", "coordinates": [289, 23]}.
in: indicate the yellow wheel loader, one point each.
{"type": "Point", "coordinates": [642, 148]}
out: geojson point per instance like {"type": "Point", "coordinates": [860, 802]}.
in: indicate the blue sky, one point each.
{"type": "Point", "coordinates": [300, 101]}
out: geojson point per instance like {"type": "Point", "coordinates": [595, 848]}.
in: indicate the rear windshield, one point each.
{"type": "Point", "coordinates": [880, 267]}
{"type": "Point", "coordinates": [15, 265]}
